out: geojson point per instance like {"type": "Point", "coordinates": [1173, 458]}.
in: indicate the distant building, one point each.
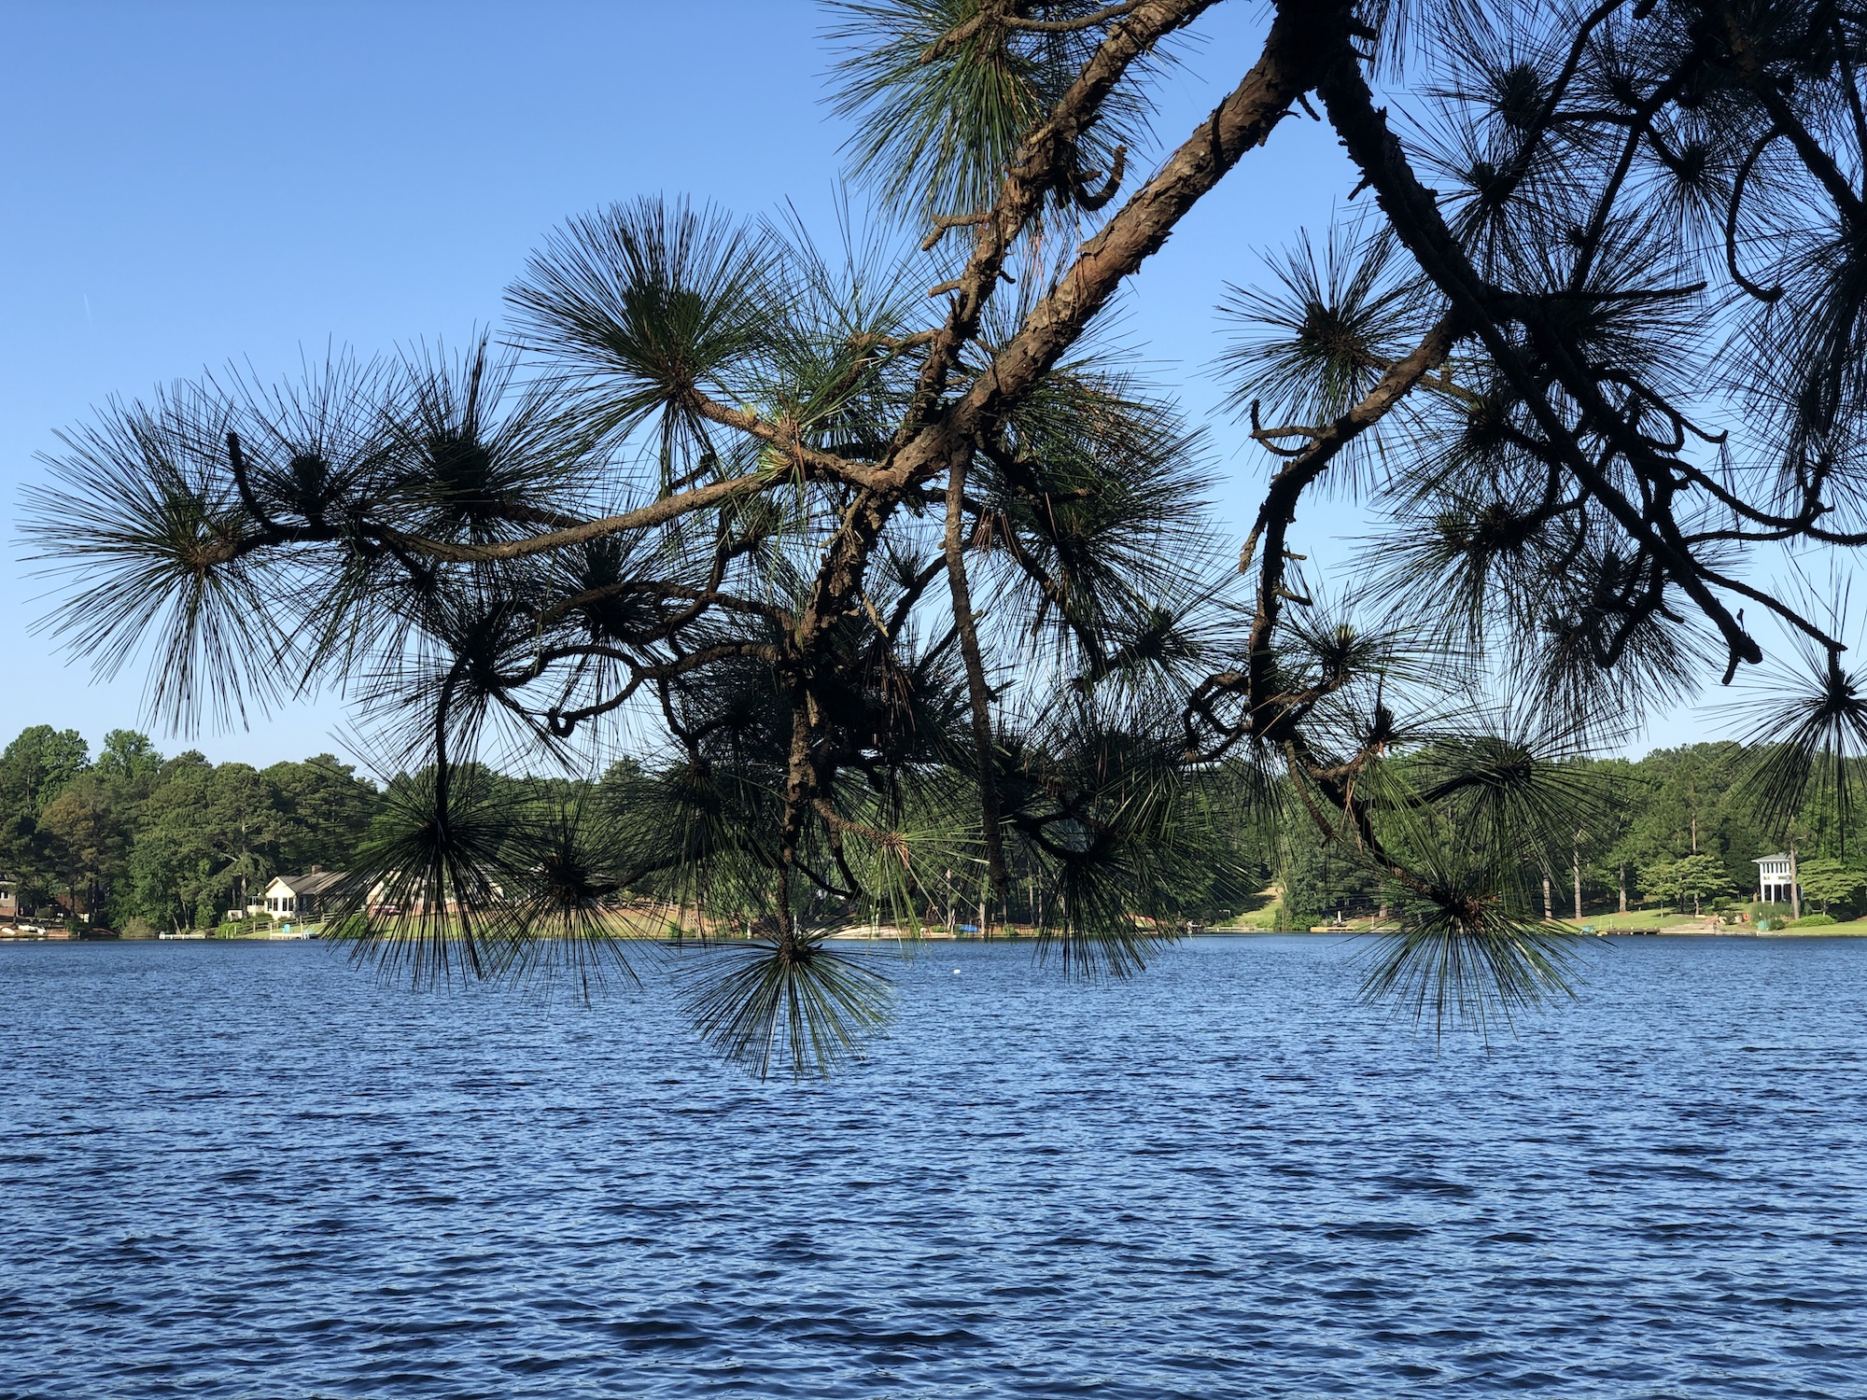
{"type": "Point", "coordinates": [9, 897]}
{"type": "Point", "coordinates": [1775, 883]}
{"type": "Point", "coordinates": [301, 897]}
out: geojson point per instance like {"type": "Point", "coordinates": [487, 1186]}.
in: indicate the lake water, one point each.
{"type": "Point", "coordinates": [252, 1170]}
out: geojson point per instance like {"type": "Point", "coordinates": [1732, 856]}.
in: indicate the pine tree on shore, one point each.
{"type": "Point", "coordinates": [909, 581]}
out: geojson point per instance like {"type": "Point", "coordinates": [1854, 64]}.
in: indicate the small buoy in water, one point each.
{"type": "Point", "coordinates": [956, 972]}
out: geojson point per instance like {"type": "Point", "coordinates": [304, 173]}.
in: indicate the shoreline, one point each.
{"type": "Point", "coordinates": [1853, 929]}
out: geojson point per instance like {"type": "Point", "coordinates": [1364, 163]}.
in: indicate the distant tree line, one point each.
{"type": "Point", "coordinates": [1680, 827]}
{"type": "Point", "coordinates": [138, 840]}
{"type": "Point", "coordinates": [133, 838]}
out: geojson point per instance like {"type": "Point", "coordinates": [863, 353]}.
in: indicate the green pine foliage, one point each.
{"type": "Point", "coordinates": [899, 579]}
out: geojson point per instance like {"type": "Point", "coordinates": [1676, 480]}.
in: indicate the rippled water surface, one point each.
{"type": "Point", "coordinates": [252, 1170]}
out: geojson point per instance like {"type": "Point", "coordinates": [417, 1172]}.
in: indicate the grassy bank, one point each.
{"type": "Point", "coordinates": [1270, 918]}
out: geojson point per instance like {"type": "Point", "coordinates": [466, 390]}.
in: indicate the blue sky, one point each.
{"type": "Point", "coordinates": [196, 181]}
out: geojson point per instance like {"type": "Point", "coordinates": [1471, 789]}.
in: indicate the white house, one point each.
{"type": "Point", "coordinates": [1776, 883]}
{"type": "Point", "coordinates": [301, 897]}
{"type": "Point", "coordinates": [308, 899]}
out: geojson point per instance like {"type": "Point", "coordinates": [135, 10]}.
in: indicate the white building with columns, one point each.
{"type": "Point", "coordinates": [1776, 882]}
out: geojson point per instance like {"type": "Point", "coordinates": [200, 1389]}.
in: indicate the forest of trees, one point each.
{"type": "Point", "coordinates": [141, 841]}
{"type": "Point", "coordinates": [1679, 827]}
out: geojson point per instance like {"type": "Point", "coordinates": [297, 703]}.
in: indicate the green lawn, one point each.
{"type": "Point", "coordinates": [1652, 920]}
{"type": "Point", "coordinates": [1848, 928]}
{"type": "Point", "coordinates": [1634, 920]}
{"type": "Point", "coordinates": [1266, 919]}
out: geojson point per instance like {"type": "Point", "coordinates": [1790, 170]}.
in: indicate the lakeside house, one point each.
{"type": "Point", "coordinates": [301, 897]}
{"type": "Point", "coordinates": [309, 899]}
{"type": "Point", "coordinates": [9, 897]}
{"type": "Point", "coordinates": [1776, 878]}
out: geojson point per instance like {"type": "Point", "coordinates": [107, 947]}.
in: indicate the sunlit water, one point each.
{"type": "Point", "coordinates": [251, 1170]}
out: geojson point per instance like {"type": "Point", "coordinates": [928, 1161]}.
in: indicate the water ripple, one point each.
{"type": "Point", "coordinates": [249, 1171]}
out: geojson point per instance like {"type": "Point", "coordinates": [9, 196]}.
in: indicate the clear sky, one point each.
{"type": "Point", "coordinates": [193, 181]}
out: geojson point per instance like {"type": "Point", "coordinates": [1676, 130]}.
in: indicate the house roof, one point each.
{"type": "Point", "coordinates": [316, 883]}
{"type": "Point", "coordinates": [1780, 855]}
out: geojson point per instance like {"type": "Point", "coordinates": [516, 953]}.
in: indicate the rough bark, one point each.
{"type": "Point", "coordinates": [978, 690]}
{"type": "Point", "coordinates": [1575, 872]}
